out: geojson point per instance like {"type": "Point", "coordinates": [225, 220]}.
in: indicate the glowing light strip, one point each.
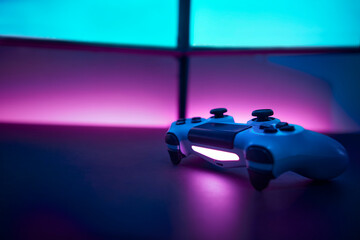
{"type": "Point", "coordinates": [216, 154]}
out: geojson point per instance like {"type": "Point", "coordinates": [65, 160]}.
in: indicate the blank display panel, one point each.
{"type": "Point", "coordinates": [141, 22]}
{"type": "Point", "coordinates": [277, 23]}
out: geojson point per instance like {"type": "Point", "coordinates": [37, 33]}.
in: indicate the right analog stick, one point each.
{"type": "Point", "coordinates": [218, 112]}
{"type": "Point", "coordinates": [262, 115]}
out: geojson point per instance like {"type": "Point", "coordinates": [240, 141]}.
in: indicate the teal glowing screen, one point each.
{"type": "Point", "coordinates": [225, 23]}
{"type": "Point", "coordinates": [140, 22]}
{"type": "Point", "coordinates": [275, 23]}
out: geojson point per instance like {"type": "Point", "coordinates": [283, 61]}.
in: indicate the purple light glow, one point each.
{"type": "Point", "coordinates": [98, 109]}
{"type": "Point", "coordinates": [43, 86]}
{"type": "Point", "coordinates": [213, 206]}
{"type": "Point", "coordinates": [244, 83]}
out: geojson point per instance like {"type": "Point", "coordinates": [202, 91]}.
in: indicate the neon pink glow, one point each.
{"type": "Point", "coordinates": [216, 154]}
{"type": "Point", "coordinates": [244, 83]}
{"type": "Point", "coordinates": [212, 205]}
{"type": "Point", "coordinates": [52, 86]}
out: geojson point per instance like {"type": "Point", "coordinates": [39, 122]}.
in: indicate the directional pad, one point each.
{"type": "Point", "coordinates": [180, 121]}
{"type": "Point", "coordinates": [196, 120]}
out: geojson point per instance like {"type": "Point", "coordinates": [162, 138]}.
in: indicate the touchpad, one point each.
{"type": "Point", "coordinates": [216, 134]}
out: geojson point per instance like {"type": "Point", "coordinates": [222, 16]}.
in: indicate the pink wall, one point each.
{"type": "Point", "coordinates": [54, 86]}
{"type": "Point", "coordinates": [58, 86]}
{"type": "Point", "coordinates": [244, 83]}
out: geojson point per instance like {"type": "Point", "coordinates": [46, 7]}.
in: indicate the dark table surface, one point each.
{"type": "Point", "coordinates": [66, 182]}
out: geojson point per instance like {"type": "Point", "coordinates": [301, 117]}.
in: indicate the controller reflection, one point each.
{"type": "Point", "coordinates": [213, 205]}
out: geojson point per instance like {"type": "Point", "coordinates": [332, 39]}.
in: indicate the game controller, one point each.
{"type": "Point", "coordinates": [265, 145]}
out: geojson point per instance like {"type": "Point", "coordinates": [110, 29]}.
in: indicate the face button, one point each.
{"type": "Point", "coordinates": [287, 128]}
{"type": "Point", "coordinates": [196, 120]}
{"type": "Point", "coordinates": [281, 124]}
{"type": "Point", "coordinates": [180, 121]}
{"type": "Point", "coordinates": [262, 115]}
{"type": "Point", "coordinates": [218, 112]}
{"type": "Point", "coordinates": [263, 126]}
{"type": "Point", "coordinates": [270, 130]}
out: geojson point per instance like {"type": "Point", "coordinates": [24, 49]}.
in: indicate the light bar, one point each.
{"type": "Point", "coordinates": [216, 154]}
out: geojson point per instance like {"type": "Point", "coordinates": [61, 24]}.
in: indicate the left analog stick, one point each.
{"type": "Point", "coordinates": [218, 112]}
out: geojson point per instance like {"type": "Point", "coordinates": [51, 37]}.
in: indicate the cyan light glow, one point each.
{"type": "Point", "coordinates": [227, 23]}
{"type": "Point", "coordinates": [140, 22]}
{"type": "Point", "coordinates": [216, 154]}
{"type": "Point", "coordinates": [276, 23]}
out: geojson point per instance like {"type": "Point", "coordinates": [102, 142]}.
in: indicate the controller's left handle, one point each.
{"type": "Point", "coordinates": [173, 145]}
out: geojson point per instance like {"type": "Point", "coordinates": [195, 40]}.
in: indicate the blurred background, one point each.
{"type": "Point", "coordinates": [66, 66]}
{"type": "Point", "coordinates": [117, 62]}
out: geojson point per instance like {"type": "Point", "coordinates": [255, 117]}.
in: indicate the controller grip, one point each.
{"type": "Point", "coordinates": [318, 170]}
{"type": "Point", "coordinates": [324, 168]}
{"type": "Point", "coordinates": [325, 165]}
{"type": "Point", "coordinates": [322, 158]}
